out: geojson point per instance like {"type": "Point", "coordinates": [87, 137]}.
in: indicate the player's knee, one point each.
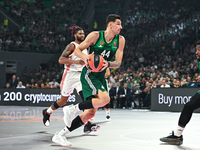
{"type": "Point", "coordinates": [105, 99]}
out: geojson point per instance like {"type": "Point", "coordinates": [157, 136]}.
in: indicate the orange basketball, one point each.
{"type": "Point", "coordinates": [95, 63]}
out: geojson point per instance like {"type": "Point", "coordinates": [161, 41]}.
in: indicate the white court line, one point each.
{"type": "Point", "coordinates": [124, 134]}
{"type": "Point", "coordinates": [16, 137]}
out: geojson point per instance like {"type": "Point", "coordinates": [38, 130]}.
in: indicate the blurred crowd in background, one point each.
{"type": "Point", "coordinates": [159, 52]}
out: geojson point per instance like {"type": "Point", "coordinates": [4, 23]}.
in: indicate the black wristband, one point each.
{"type": "Point", "coordinates": [108, 64]}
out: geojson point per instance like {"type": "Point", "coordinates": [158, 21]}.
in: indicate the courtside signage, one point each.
{"type": "Point", "coordinates": [171, 99]}
{"type": "Point", "coordinates": [34, 97]}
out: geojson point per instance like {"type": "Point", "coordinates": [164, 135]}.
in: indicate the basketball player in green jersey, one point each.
{"type": "Point", "coordinates": [110, 45]}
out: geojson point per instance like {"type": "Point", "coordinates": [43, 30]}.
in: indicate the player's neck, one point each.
{"type": "Point", "coordinates": [78, 42]}
{"type": "Point", "coordinates": [109, 35]}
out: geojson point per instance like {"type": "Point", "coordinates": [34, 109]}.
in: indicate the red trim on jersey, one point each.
{"type": "Point", "coordinates": [65, 74]}
{"type": "Point", "coordinates": [74, 48]}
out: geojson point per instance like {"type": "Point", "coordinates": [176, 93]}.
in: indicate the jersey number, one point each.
{"type": "Point", "coordinates": [105, 54]}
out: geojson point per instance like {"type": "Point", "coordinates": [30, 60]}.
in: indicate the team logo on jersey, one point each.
{"type": "Point", "coordinates": [115, 43]}
{"type": "Point", "coordinates": [101, 42]}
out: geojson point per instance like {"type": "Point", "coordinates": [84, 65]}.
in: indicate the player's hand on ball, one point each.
{"type": "Point", "coordinates": [105, 65]}
{"type": "Point", "coordinates": [87, 58]}
{"type": "Point", "coordinates": [80, 62]}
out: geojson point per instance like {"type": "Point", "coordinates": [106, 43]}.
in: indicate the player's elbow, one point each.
{"type": "Point", "coordinates": [119, 64]}
{"type": "Point", "coordinates": [60, 60]}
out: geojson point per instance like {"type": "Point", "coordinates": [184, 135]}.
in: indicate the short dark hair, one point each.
{"type": "Point", "coordinates": [198, 43]}
{"type": "Point", "coordinates": [112, 18]}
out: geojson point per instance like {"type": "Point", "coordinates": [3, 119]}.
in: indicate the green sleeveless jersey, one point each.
{"type": "Point", "coordinates": [94, 81]}
{"type": "Point", "coordinates": [107, 50]}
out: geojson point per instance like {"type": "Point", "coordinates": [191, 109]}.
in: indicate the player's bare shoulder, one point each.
{"type": "Point", "coordinates": [93, 36]}
{"type": "Point", "coordinates": [121, 41]}
{"type": "Point", "coordinates": [121, 37]}
{"type": "Point", "coordinates": [68, 50]}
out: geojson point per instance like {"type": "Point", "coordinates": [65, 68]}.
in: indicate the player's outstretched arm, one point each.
{"type": "Point", "coordinates": [64, 58]}
{"type": "Point", "coordinates": [89, 40]}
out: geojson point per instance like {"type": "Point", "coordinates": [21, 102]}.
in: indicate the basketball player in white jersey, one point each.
{"type": "Point", "coordinates": [71, 78]}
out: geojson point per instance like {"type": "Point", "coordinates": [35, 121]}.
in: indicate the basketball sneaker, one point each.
{"type": "Point", "coordinates": [46, 117]}
{"type": "Point", "coordinates": [61, 140]}
{"type": "Point", "coordinates": [172, 139]}
{"type": "Point", "coordinates": [69, 113]}
{"type": "Point", "coordinates": [108, 118]}
{"type": "Point", "coordinates": [89, 127]}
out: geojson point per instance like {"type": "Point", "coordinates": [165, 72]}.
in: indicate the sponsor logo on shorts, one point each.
{"type": "Point", "coordinates": [101, 42]}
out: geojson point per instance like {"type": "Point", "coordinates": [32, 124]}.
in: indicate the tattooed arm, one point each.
{"type": "Point", "coordinates": [64, 58]}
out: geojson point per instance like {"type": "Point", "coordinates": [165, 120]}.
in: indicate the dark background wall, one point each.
{"type": "Point", "coordinates": [31, 60]}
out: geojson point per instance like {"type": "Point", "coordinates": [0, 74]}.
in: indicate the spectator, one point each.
{"type": "Point", "coordinates": [53, 86]}
{"type": "Point", "coordinates": [32, 82]}
{"type": "Point", "coordinates": [164, 85]}
{"type": "Point", "coordinates": [147, 91]}
{"type": "Point", "coordinates": [20, 85]}
{"type": "Point", "coordinates": [7, 85]}
{"type": "Point", "coordinates": [177, 83]}
{"type": "Point", "coordinates": [156, 84]}
{"type": "Point", "coordinates": [48, 86]}
{"type": "Point", "coordinates": [13, 82]}
{"type": "Point", "coordinates": [125, 96]}
{"type": "Point", "coordinates": [36, 86]}
{"type": "Point", "coordinates": [5, 22]}
{"type": "Point", "coordinates": [28, 86]}
{"type": "Point", "coordinates": [173, 72]}
{"type": "Point", "coordinates": [188, 80]}
{"type": "Point", "coordinates": [130, 84]}
{"type": "Point", "coordinates": [112, 94]}
{"type": "Point", "coordinates": [47, 81]}
{"type": "Point", "coordinates": [42, 86]}
{"type": "Point", "coordinates": [184, 83]}
{"type": "Point", "coordinates": [117, 96]}
{"type": "Point", "coordinates": [54, 83]}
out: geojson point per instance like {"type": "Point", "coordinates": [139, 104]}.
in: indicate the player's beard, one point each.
{"type": "Point", "coordinates": [80, 39]}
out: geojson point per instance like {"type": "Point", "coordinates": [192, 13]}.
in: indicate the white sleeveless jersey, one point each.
{"type": "Point", "coordinates": [75, 67]}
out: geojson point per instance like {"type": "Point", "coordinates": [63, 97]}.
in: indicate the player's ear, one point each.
{"type": "Point", "coordinates": [110, 24]}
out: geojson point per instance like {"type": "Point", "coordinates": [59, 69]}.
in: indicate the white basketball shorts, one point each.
{"type": "Point", "coordinates": [70, 81]}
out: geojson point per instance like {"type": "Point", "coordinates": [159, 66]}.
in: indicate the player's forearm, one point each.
{"type": "Point", "coordinates": [63, 60]}
{"type": "Point", "coordinates": [114, 64]}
